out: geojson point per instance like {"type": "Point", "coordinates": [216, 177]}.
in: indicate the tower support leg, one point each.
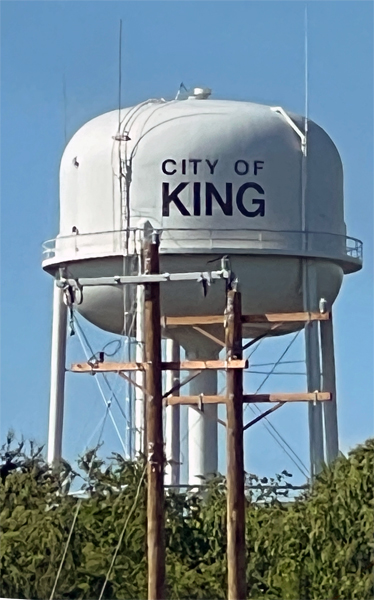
{"type": "Point", "coordinates": [202, 427]}
{"type": "Point", "coordinates": [57, 389]}
{"type": "Point", "coordinates": [313, 368]}
{"type": "Point", "coordinates": [329, 385]}
{"type": "Point", "coordinates": [172, 425]}
{"type": "Point", "coordinates": [140, 400]}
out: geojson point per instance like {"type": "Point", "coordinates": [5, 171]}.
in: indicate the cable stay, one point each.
{"type": "Point", "coordinates": [81, 335]}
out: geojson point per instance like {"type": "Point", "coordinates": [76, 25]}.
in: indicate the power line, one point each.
{"type": "Point", "coordinates": [274, 372]}
{"type": "Point", "coordinates": [304, 469]}
{"type": "Point", "coordinates": [256, 348]}
{"type": "Point", "coordinates": [277, 363]}
{"type": "Point", "coordinates": [106, 402]}
{"type": "Point", "coordinates": [268, 426]}
{"type": "Point", "coordinates": [282, 362]}
{"type": "Point", "coordinates": [105, 377]}
{"type": "Point", "coordinates": [79, 504]}
{"type": "Point", "coordinates": [123, 533]}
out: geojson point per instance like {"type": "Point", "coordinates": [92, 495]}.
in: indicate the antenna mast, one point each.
{"type": "Point", "coordinates": [119, 76]}
{"type": "Point", "coordinates": [65, 107]}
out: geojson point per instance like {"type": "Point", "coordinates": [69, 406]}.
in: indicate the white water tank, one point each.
{"type": "Point", "coordinates": [216, 177]}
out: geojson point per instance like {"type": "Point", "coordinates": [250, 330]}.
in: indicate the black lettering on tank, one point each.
{"type": "Point", "coordinates": [196, 199]}
{"type": "Point", "coordinates": [241, 167]}
{"type": "Point", "coordinates": [195, 162]}
{"type": "Point", "coordinates": [257, 166]}
{"type": "Point", "coordinates": [211, 166]}
{"type": "Point", "coordinates": [168, 197]}
{"type": "Point", "coordinates": [260, 202]}
{"type": "Point", "coordinates": [226, 205]}
{"type": "Point", "coordinates": [163, 166]}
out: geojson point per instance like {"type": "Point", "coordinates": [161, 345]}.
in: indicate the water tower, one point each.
{"type": "Point", "coordinates": [253, 185]}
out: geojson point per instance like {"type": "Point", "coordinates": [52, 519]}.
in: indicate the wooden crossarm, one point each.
{"type": "Point", "coordinates": [284, 397]}
{"type": "Point", "coordinates": [297, 317]}
{"type": "Point", "coordinates": [184, 365]}
{"type": "Point", "coordinates": [252, 398]}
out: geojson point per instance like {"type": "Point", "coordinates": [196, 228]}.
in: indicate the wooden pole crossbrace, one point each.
{"type": "Point", "coordinates": [179, 384]}
{"type": "Point", "coordinates": [263, 415]}
{"type": "Point", "coordinates": [134, 383]}
{"type": "Point", "coordinates": [236, 551]}
{"type": "Point", "coordinates": [252, 398]}
{"type": "Point", "coordinates": [183, 365]}
{"type": "Point", "coordinates": [262, 336]}
{"type": "Point", "coordinates": [297, 317]}
{"type": "Point", "coordinates": [209, 336]}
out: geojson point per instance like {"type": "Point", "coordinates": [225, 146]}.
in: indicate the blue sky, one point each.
{"type": "Point", "coordinates": [242, 50]}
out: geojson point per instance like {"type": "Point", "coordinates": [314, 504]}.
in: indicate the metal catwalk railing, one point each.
{"type": "Point", "coordinates": [173, 240]}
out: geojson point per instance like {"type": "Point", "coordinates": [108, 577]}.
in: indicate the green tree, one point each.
{"type": "Point", "coordinates": [319, 547]}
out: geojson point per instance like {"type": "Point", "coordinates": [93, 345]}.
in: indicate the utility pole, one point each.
{"type": "Point", "coordinates": [236, 552]}
{"type": "Point", "coordinates": [155, 449]}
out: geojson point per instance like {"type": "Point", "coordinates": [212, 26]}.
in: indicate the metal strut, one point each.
{"type": "Point", "coordinates": [199, 276]}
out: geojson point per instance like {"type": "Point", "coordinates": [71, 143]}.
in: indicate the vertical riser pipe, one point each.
{"type": "Point", "coordinates": [57, 388]}
{"type": "Point", "coordinates": [172, 420]}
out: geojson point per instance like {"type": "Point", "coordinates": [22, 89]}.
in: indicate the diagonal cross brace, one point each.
{"type": "Point", "coordinates": [263, 415]}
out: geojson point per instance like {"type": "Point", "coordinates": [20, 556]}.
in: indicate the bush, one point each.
{"type": "Point", "coordinates": [319, 547]}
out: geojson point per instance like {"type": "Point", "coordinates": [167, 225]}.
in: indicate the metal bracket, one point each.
{"type": "Point", "coordinates": [292, 124]}
{"type": "Point", "coordinates": [142, 279]}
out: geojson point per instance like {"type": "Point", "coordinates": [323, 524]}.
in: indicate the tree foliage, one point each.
{"type": "Point", "coordinates": [319, 547]}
